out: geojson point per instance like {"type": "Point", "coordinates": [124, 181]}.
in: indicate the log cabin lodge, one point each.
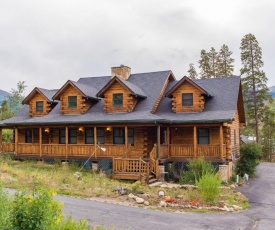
{"type": "Point", "coordinates": [142, 121]}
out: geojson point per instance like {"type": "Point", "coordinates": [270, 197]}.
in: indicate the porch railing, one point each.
{"type": "Point", "coordinates": [154, 163]}
{"type": "Point", "coordinates": [181, 150]}
{"type": "Point", "coordinates": [7, 147]}
{"type": "Point", "coordinates": [27, 148]}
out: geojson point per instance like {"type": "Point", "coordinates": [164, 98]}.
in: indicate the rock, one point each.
{"type": "Point", "coordinates": [162, 204]}
{"type": "Point", "coordinates": [161, 193]}
{"type": "Point", "coordinates": [230, 209]}
{"type": "Point", "coordinates": [232, 186]}
{"type": "Point", "coordinates": [179, 196]}
{"type": "Point", "coordinates": [239, 194]}
{"type": "Point", "coordinates": [146, 203]}
{"type": "Point", "coordinates": [214, 208]}
{"type": "Point", "coordinates": [121, 190]}
{"type": "Point", "coordinates": [132, 196]}
{"type": "Point", "coordinates": [237, 208]}
{"type": "Point", "coordinates": [139, 200]}
{"type": "Point", "coordinates": [221, 204]}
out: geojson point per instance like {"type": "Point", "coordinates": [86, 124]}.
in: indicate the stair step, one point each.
{"type": "Point", "coordinates": [153, 180]}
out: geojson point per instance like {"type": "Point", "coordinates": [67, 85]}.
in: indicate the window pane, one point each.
{"type": "Point", "coordinates": [100, 135]}
{"type": "Point", "coordinates": [187, 99]}
{"type": "Point", "coordinates": [118, 137]}
{"type": "Point", "coordinates": [39, 106]}
{"type": "Point", "coordinates": [62, 137]}
{"type": "Point", "coordinates": [89, 136]}
{"type": "Point", "coordinates": [203, 136]}
{"type": "Point", "coordinates": [118, 99]}
{"type": "Point", "coordinates": [72, 102]}
{"type": "Point", "coordinates": [28, 136]}
{"type": "Point", "coordinates": [72, 136]}
{"type": "Point", "coordinates": [131, 140]}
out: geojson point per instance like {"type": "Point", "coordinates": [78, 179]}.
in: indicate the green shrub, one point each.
{"type": "Point", "coordinates": [5, 210]}
{"type": "Point", "coordinates": [250, 154]}
{"type": "Point", "coordinates": [197, 167]}
{"type": "Point", "coordinates": [136, 186]}
{"type": "Point", "coordinates": [209, 187]}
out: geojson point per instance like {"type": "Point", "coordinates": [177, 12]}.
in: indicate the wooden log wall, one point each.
{"type": "Point", "coordinates": [129, 101]}
{"type": "Point", "coordinates": [46, 106]}
{"type": "Point", "coordinates": [82, 104]}
{"type": "Point", "coordinates": [198, 99]}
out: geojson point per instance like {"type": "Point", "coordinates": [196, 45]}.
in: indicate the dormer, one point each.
{"type": "Point", "coordinates": [40, 102]}
{"type": "Point", "coordinates": [187, 96]}
{"type": "Point", "coordinates": [75, 98]}
{"type": "Point", "coordinates": [120, 96]}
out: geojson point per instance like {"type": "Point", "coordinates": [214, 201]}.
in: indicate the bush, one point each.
{"type": "Point", "coordinates": [5, 210]}
{"type": "Point", "coordinates": [209, 187]}
{"type": "Point", "coordinates": [197, 167]}
{"type": "Point", "coordinates": [250, 154]}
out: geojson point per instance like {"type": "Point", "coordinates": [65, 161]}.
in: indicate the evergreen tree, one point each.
{"type": "Point", "coordinates": [6, 112]}
{"type": "Point", "coordinates": [192, 73]}
{"type": "Point", "coordinates": [16, 97]}
{"type": "Point", "coordinates": [213, 62]}
{"type": "Point", "coordinates": [225, 62]}
{"type": "Point", "coordinates": [254, 81]}
{"type": "Point", "coordinates": [204, 65]}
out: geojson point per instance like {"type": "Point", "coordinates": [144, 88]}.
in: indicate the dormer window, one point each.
{"type": "Point", "coordinates": [117, 99]}
{"type": "Point", "coordinates": [187, 99]}
{"type": "Point", "coordinates": [72, 102]}
{"type": "Point", "coordinates": [39, 107]}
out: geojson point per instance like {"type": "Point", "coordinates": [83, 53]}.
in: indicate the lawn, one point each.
{"type": "Point", "coordinates": [62, 179]}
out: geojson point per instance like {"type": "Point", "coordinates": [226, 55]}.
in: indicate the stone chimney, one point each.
{"type": "Point", "coordinates": [122, 72]}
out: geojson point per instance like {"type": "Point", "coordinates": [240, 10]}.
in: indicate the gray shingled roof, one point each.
{"type": "Point", "coordinates": [86, 89]}
{"type": "Point", "coordinates": [221, 107]}
{"type": "Point", "coordinates": [48, 93]}
{"type": "Point", "coordinates": [134, 88]}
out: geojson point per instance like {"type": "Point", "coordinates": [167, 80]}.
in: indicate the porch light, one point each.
{"type": "Point", "coordinates": [81, 129]}
{"type": "Point", "coordinates": [108, 129]}
{"type": "Point", "coordinates": [47, 130]}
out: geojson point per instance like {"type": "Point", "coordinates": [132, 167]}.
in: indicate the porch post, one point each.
{"type": "Point", "coordinates": [168, 140]}
{"type": "Point", "coordinates": [66, 142]}
{"type": "Point", "coordinates": [221, 141]}
{"type": "Point", "coordinates": [16, 141]}
{"type": "Point", "coordinates": [195, 141]}
{"type": "Point", "coordinates": [126, 138]}
{"type": "Point", "coordinates": [1, 140]}
{"type": "Point", "coordinates": [40, 142]}
{"type": "Point", "coordinates": [158, 141]}
{"type": "Point", "coordinates": [95, 139]}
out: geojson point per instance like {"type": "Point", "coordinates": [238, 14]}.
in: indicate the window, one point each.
{"type": "Point", "coordinates": [62, 136]}
{"type": "Point", "coordinates": [28, 136]}
{"type": "Point", "coordinates": [118, 99]}
{"type": "Point", "coordinates": [89, 136]}
{"type": "Point", "coordinates": [39, 106]}
{"type": "Point", "coordinates": [131, 136]}
{"type": "Point", "coordinates": [187, 99]}
{"type": "Point", "coordinates": [118, 137]}
{"type": "Point", "coordinates": [100, 135]}
{"type": "Point", "coordinates": [203, 136]}
{"type": "Point", "coordinates": [72, 102]}
{"type": "Point", "coordinates": [72, 136]}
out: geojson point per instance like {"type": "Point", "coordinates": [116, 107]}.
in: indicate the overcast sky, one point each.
{"type": "Point", "coordinates": [47, 42]}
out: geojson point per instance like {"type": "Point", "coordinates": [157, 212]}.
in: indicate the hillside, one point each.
{"type": "Point", "coordinates": [3, 95]}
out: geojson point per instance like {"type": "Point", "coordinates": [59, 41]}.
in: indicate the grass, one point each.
{"type": "Point", "coordinates": [28, 174]}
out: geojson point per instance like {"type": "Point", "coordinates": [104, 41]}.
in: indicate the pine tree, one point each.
{"type": "Point", "coordinates": [254, 81]}
{"type": "Point", "coordinates": [225, 62]}
{"type": "Point", "coordinates": [204, 66]}
{"type": "Point", "coordinates": [213, 62]}
{"type": "Point", "coordinates": [192, 73]}
{"type": "Point", "coordinates": [16, 97]}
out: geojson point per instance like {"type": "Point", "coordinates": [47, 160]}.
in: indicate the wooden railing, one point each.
{"type": "Point", "coordinates": [112, 150]}
{"type": "Point", "coordinates": [154, 163]}
{"type": "Point", "coordinates": [130, 168]}
{"type": "Point", "coordinates": [7, 147]}
{"type": "Point", "coordinates": [181, 150]}
{"type": "Point", "coordinates": [27, 148]}
{"type": "Point", "coordinates": [209, 150]}
{"type": "Point", "coordinates": [54, 149]}
{"type": "Point", "coordinates": [164, 151]}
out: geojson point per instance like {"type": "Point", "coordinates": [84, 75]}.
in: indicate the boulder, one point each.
{"type": "Point", "coordinates": [139, 200]}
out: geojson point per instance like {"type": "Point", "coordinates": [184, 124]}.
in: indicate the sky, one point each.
{"type": "Point", "coordinates": [47, 42]}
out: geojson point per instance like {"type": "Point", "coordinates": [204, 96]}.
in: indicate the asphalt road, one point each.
{"type": "Point", "coordinates": [261, 215]}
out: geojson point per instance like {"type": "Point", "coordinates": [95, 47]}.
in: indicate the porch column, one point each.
{"type": "Point", "coordinates": [221, 141]}
{"type": "Point", "coordinates": [95, 139]}
{"type": "Point", "coordinates": [1, 140]}
{"type": "Point", "coordinates": [40, 142]}
{"type": "Point", "coordinates": [158, 141]}
{"type": "Point", "coordinates": [126, 139]}
{"type": "Point", "coordinates": [195, 141]}
{"type": "Point", "coordinates": [66, 142]}
{"type": "Point", "coordinates": [16, 141]}
{"type": "Point", "coordinates": [168, 140]}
